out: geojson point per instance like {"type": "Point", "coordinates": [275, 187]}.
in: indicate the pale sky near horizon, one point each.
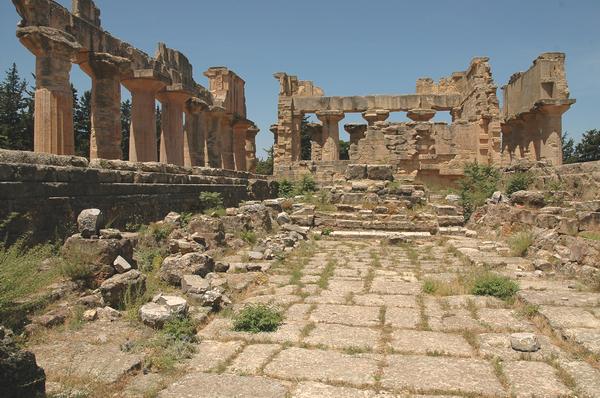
{"type": "Point", "coordinates": [351, 47]}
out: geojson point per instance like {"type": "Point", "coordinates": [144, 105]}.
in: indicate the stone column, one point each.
{"type": "Point", "coordinates": [331, 133]}
{"type": "Point", "coordinates": [213, 140]}
{"type": "Point", "coordinates": [316, 141]}
{"type": "Point", "coordinates": [251, 148]}
{"type": "Point", "coordinates": [297, 137]}
{"type": "Point", "coordinates": [53, 115]}
{"type": "Point", "coordinates": [356, 132]}
{"type": "Point", "coordinates": [550, 127]}
{"type": "Point", "coordinates": [194, 139]}
{"type": "Point", "coordinates": [142, 132]}
{"type": "Point", "coordinates": [226, 138]}
{"type": "Point", "coordinates": [375, 115]}
{"type": "Point", "coordinates": [240, 129]}
{"type": "Point", "coordinates": [171, 137]}
{"type": "Point", "coordinates": [105, 71]}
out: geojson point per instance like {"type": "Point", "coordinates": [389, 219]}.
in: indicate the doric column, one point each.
{"type": "Point", "coordinates": [53, 115]}
{"type": "Point", "coordinates": [226, 138]}
{"type": "Point", "coordinates": [331, 133]}
{"type": "Point", "coordinates": [171, 137]}
{"type": "Point", "coordinates": [213, 139]}
{"type": "Point", "coordinates": [375, 115]}
{"type": "Point", "coordinates": [550, 127]}
{"type": "Point", "coordinates": [356, 132]}
{"type": "Point", "coordinates": [297, 137]}
{"type": "Point", "coordinates": [194, 139]}
{"type": "Point", "coordinates": [240, 128]}
{"type": "Point", "coordinates": [250, 148]}
{"type": "Point", "coordinates": [142, 132]}
{"type": "Point", "coordinates": [106, 71]}
{"type": "Point", "coordinates": [316, 141]}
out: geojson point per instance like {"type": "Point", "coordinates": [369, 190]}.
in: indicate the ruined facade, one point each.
{"type": "Point", "coordinates": [529, 126]}
{"type": "Point", "coordinates": [199, 126]}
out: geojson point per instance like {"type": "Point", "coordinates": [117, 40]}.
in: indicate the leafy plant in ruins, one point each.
{"type": "Point", "coordinates": [305, 185]}
{"type": "Point", "coordinates": [265, 166]}
{"type": "Point", "coordinates": [478, 184]}
{"type": "Point", "coordinates": [518, 182]}
{"type": "Point", "coordinates": [286, 188]}
{"type": "Point", "coordinates": [210, 201]}
{"type": "Point", "coordinates": [257, 318]}
{"type": "Point", "coordinates": [520, 243]}
{"type": "Point", "coordinates": [490, 284]}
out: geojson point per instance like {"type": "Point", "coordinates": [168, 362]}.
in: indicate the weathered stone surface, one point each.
{"type": "Point", "coordinates": [569, 317]}
{"type": "Point", "coordinates": [253, 358]}
{"type": "Point", "coordinates": [211, 354]}
{"type": "Point", "coordinates": [343, 337]}
{"type": "Point", "coordinates": [524, 342]}
{"type": "Point", "coordinates": [424, 374]}
{"type": "Point", "coordinates": [114, 289]}
{"type": "Point", "coordinates": [405, 318]}
{"type": "Point", "coordinates": [175, 266]}
{"type": "Point", "coordinates": [155, 315]}
{"type": "Point", "coordinates": [121, 265]}
{"type": "Point", "coordinates": [204, 385]}
{"type": "Point", "coordinates": [327, 366]}
{"type": "Point", "coordinates": [89, 222]}
{"type": "Point", "coordinates": [424, 342]}
{"type": "Point", "coordinates": [534, 379]}
{"type": "Point", "coordinates": [356, 171]}
{"type": "Point", "coordinates": [588, 338]}
{"type": "Point", "coordinates": [346, 315]}
{"type": "Point", "coordinates": [20, 375]}
{"type": "Point", "coordinates": [498, 345]}
{"type": "Point", "coordinates": [587, 379]}
{"type": "Point", "coordinates": [379, 172]}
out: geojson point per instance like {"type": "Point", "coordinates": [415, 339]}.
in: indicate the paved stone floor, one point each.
{"type": "Point", "coordinates": [358, 325]}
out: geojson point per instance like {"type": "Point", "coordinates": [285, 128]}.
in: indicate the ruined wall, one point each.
{"type": "Point", "coordinates": [52, 189]}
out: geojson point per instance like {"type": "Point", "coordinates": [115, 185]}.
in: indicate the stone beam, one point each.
{"type": "Point", "coordinates": [391, 103]}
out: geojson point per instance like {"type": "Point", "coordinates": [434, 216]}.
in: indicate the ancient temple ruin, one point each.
{"type": "Point", "coordinates": [199, 126]}
{"type": "Point", "coordinates": [528, 126]}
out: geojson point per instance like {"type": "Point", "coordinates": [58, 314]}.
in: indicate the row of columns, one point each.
{"type": "Point", "coordinates": [207, 136]}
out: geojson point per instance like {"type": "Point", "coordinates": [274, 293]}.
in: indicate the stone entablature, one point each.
{"type": "Point", "coordinates": [59, 38]}
{"type": "Point", "coordinates": [420, 146]}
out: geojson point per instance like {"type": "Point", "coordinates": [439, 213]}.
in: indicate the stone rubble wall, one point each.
{"type": "Point", "coordinates": [50, 190]}
{"type": "Point", "coordinates": [580, 180]}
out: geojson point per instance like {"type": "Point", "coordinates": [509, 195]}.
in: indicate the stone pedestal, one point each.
{"type": "Point", "coordinates": [250, 148]}
{"type": "Point", "coordinates": [142, 132]}
{"type": "Point", "coordinates": [331, 133]}
{"type": "Point", "coordinates": [171, 137]}
{"type": "Point", "coordinates": [194, 139]}
{"type": "Point", "coordinates": [375, 115]}
{"type": "Point", "coordinates": [53, 117]}
{"type": "Point", "coordinates": [105, 71]}
{"type": "Point", "coordinates": [240, 129]}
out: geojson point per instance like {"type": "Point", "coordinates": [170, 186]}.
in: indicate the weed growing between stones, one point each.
{"type": "Point", "coordinates": [490, 284]}
{"type": "Point", "coordinates": [327, 273]}
{"type": "Point", "coordinates": [520, 243]}
{"type": "Point", "coordinates": [479, 183]}
{"type": "Point", "coordinates": [210, 201]}
{"type": "Point", "coordinates": [518, 182]}
{"type": "Point", "coordinates": [249, 237]}
{"type": "Point", "coordinates": [257, 318]}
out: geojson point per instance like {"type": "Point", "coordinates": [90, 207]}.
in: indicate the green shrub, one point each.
{"type": "Point", "coordinates": [520, 243]}
{"type": "Point", "coordinates": [180, 328]}
{"type": "Point", "coordinates": [518, 182]}
{"type": "Point", "coordinates": [257, 318]}
{"type": "Point", "coordinates": [478, 184]}
{"type": "Point", "coordinates": [249, 237]}
{"type": "Point", "coordinates": [326, 231]}
{"type": "Point", "coordinates": [286, 189]}
{"type": "Point", "coordinates": [77, 264]}
{"type": "Point", "coordinates": [429, 286]}
{"type": "Point", "coordinates": [489, 284]}
{"type": "Point", "coordinates": [306, 184]}
{"type": "Point", "coordinates": [210, 201]}
{"type": "Point", "coordinates": [158, 231]}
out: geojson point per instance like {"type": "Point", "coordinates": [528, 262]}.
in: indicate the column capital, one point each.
{"type": "Point", "coordinates": [355, 128]}
{"type": "Point", "coordinates": [241, 125]}
{"type": "Point", "coordinates": [331, 116]}
{"type": "Point", "coordinates": [178, 97]}
{"type": "Point", "coordinates": [375, 115]}
{"type": "Point", "coordinates": [97, 64]}
{"type": "Point", "coordinates": [554, 106]}
{"type": "Point", "coordinates": [145, 80]}
{"type": "Point", "coordinates": [195, 105]}
{"type": "Point", "coordinates": [420, 114]}
{"type": "Point", "coordinates": [274, 128]}
{"type": "Point", "coordinates": [44, 41]}
{"type": "Point", "coordinates": [252, 131]}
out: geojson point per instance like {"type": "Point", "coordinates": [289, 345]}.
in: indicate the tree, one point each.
{"type": "Point", "coordinates": [125, 123]}
{"type": "Point", "coordinates": [589, 148]}
{"type": "Point", "coordinates": [82, 122]}
{"type": "Point", "coordinates": [344, 150]}
{"type": "Point", "coordinates": [265, 166]}
{"type": "Point", "coordinates": [568, 148]}
{"type": "Point", "coordinates": [305, 150]}
{"type": "Point", "coordinates": [16, 112]}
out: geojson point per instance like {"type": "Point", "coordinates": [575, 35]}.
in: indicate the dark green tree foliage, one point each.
{"type": "Point", "coordinates": [568, 148]}
{"type": "Point", "coordinates": [265, 166]}
{"type": "Point", "coordinates": [344, 150]}
{"type": "Point", "coordinates": [125, 123]}
{"type": "Point", "coordinates": [82, 124]}
{"type": "Point", "coordinates": [479, 183]}
{"type": "Point", "coordinates": [588, 148]}
{"type": "Point", "coordinates": [16, 112]}
{"type": "Point", "coordinates": [305, 150]}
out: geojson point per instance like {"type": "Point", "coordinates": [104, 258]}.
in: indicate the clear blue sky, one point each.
{"type": "Point", "coordinates": [352, 47]}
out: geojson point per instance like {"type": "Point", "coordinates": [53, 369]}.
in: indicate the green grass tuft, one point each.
{"type": "Point", "coordinates": [257, 318]}
{"type": "Point", "coordinates": [490, 284]}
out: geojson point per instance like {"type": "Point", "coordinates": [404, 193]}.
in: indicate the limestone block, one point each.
{"type": "Point", "coordinates": [356, 171]}
{"type": "Point", "coordinates": [379, 172]}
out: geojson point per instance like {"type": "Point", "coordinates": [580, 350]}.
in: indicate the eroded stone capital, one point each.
{"type": "Point", "coordinates": [420, 115]}
{"type": "Point", "coordinates": [330, 116]}
{"type": "Point", "coordinates": [43, 41]}
{"type": "Point", "coordinates": [104, 65]}
{"type": "Point", "coordinates": [195, 106]}
{"type": "Point", "coordinates": [375, 115]}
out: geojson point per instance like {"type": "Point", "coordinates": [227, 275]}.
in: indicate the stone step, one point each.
{"type": "Point", "coordinates": [377, 234]}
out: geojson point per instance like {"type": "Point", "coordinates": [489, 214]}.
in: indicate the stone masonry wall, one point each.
{"type": "Point", "coordinates": [44, 193]}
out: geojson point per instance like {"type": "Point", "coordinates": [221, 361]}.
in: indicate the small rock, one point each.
{"type": "Point", "coordinates": [194, 284]}
{"type": "Point", "coordinates": [115, 288]}
{"type": "Point", "coordinates": [184, 246]}
{"type": "Point", "coordinates": [173, 218]}
{"type": "Point", "coordinates": [199, 314]}
{"type": "Point", "coordinates": [121, 265]}
{"type": "Point", "coordinates": [542, 264]}
{"type": "Point", "coordinates": [90, 315]}
{"type": "Point", "coordinates": [524, 342]}
{"type": "Point", "coordinates": [177, 305]}
{"type": "Point", "coordinates": [175, 266]}
{"type": "Point", "coordinates": [255, 255]}
{"type": "Point", "coordinates": [108, 313]}
{"type": "Point", "coordinates": [283, 218]}
{"type": "Point", "coordinates": [221, 267]}
{"type": "Point", "coordinates": [154, 315]}
{"type": "Point", "coordinates": [89, 222]}
{"type": "Point", "coordinates": [91, 301]}
{"type": "Point", "coordinates": [452, 198]}
{"type": "Point", "coordinates": [110, 233]}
